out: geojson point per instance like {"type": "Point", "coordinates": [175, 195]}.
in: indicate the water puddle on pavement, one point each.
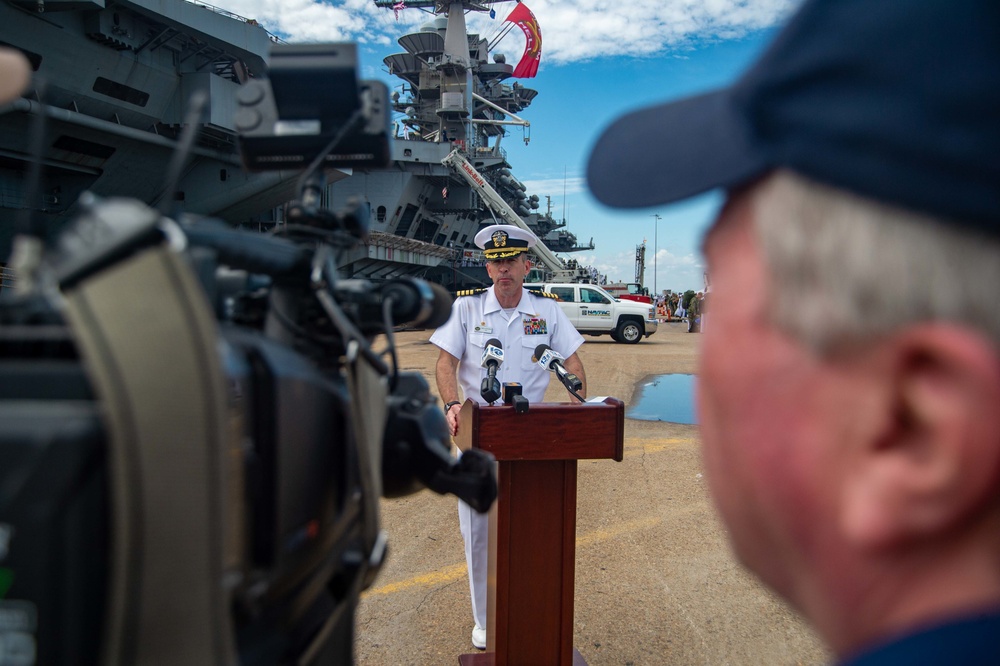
{"type": "Point", "coordinates": [665, 398]}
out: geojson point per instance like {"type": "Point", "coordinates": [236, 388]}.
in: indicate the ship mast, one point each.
{"type": "Point", "coordinates": [455, 67]}
{"type": "Point", "coordinates": [455, 106]}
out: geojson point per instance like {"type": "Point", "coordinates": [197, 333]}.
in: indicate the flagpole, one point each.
{"type": "Point", "coordinates": [656, 227]}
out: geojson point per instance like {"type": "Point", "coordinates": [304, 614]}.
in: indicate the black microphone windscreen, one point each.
{"type": "Point", "coordinates": [441, 306]}
{"type": "Point", "coordinates": [494, 343]}
{"type": "Point", "coordinates": [407, 301]}
{"type": "Point", "coordinates": [418, 302]}
{"type": "Point", "coordinates": [541, 349]}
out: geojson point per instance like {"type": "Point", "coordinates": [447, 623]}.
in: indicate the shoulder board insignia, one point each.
{"type": "Point", "coordinates": [469, 292]}
{"type": "Point", "coordinates": [547, 295]}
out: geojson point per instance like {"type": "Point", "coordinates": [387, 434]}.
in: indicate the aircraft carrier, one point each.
{"type": "Point", "coordinates": [112, 82]}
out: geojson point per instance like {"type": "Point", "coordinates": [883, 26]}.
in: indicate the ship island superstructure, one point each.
{"type": "Point", "coordinates": [449, 174]}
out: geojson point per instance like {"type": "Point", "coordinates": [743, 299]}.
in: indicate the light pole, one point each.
{"type": "Point", "coordinates": [656, 226]}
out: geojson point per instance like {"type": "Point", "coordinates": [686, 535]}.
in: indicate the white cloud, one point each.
{"type": "Point", "coordinates": [554, 187]}
{"type": "Point", "coordinates": [314, 21]}
{"type": "Point", "coordinates": [666, 258]}
{"type": "Point", "coordinates": [586, 29]}
{"type": "Point", "coordinates": [619, 267]}
{"type": "Point", "coordinates": [674, 271]}
{"type": "Point", "coordinates": [572, 30]}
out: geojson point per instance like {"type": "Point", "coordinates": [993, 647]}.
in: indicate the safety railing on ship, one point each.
{"type": "Point", "coordinates": [226, 12]}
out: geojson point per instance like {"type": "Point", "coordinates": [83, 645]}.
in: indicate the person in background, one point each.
{"type": "Point", "coordinates": [694, 313]}
{"type": "Point", "coordinates": [520, 320]}
{"type": "Point", "coordinates": [851, 427]}
{"type": "Point", "coordinates": [661, 307]}
{"type": "Point", "coordinates": [704, 303]}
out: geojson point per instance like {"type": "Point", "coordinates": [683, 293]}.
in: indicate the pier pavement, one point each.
{"type": "Point", "coordinates": [656, 582]}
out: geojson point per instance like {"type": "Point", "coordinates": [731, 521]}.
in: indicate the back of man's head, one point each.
{"type": "Point", "coordinates": [850, 269]}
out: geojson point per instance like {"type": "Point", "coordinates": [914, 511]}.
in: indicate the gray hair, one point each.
{"type": "Point", "coordinates": [846, 269]}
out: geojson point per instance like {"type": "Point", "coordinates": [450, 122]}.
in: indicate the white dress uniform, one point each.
{"type": "Point", "coordinates": [474, 320]}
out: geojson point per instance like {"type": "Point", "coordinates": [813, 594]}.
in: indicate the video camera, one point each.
{"type": "Point", "coordinates": [196, 428]}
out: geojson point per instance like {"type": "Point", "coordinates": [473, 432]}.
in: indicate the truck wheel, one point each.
{"type": "Point", "coordinates": [629, 332]}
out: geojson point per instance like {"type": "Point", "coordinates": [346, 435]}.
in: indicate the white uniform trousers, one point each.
{"type": "Point", "coordinates": [475, 528]}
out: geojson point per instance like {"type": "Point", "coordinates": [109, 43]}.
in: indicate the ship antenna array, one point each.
{"type": "Point", "coordinates": [504, 31]}
{"type": "Point", "coordinates": [440, 6]}
{"type": "Point", "coordinates": [564, 194]}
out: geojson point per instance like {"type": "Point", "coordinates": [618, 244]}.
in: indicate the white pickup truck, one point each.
{"type": "Point", "coordinates": [594, 311]}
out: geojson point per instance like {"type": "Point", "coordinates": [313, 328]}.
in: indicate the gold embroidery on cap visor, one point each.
{"type": "Point", "coordinates": [503, 253]}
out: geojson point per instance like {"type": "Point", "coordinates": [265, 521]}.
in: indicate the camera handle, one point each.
{"type": "Point", "coordinates": [416, 450]}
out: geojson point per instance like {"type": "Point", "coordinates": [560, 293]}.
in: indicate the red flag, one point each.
{"type": "Point", "coordinates": [524, 19]}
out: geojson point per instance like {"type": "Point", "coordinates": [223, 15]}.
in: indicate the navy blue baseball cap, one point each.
{"type": "Point", "coordinates": [896, 100]}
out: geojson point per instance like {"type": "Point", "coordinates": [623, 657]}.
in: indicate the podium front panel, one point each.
{"type": "Point", "coordinates": [548, 431]}
{"type": "Point", "coordinates": [533, 565]}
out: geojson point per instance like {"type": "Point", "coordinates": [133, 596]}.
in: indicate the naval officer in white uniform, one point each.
{"type": "Point", "coordinates": [521, 320]}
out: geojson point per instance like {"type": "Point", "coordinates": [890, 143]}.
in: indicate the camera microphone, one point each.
{"type": "Point", "coordinates": [418, 302]}
{"type": "Point", "coordinates": [492, 358]}
{"type": "Point", "coordinates": [552, 361]}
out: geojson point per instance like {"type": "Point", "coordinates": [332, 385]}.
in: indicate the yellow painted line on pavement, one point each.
{"type": "Point", "coordinates": [439, 577]}
{"type": "Point", "coordinates": [598, 536]}
{"type": "Point", "coordinates": [636, 447]}
{"type": "Point", "coordinates": [458, 571]}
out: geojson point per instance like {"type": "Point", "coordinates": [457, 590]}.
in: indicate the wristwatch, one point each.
{"type": "Point", "coordinates": [451, 404]}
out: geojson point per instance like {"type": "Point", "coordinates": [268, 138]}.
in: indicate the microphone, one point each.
{"type": "Point", "coordinates": [492, 358]}
{"type": "Point", "coordinates": [551, 360]}
{"type": "Point", "coordinates": [417, 302]}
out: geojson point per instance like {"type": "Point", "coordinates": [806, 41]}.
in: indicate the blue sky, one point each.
{"type": "Point", "coordinates": [600, 58]}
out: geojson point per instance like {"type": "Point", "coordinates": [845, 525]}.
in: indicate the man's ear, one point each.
{"type": "Point", "coordinates": [933, 461]}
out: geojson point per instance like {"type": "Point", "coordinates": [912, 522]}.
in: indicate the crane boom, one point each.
{"type": "Point", "coordinates": [457, 162]}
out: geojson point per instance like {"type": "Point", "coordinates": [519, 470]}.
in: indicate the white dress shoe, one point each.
{"type": "Point", "coordinates": [479, 638]}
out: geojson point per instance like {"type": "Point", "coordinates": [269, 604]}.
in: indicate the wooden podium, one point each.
{"type": "Point", "coordinates": [533, 522]}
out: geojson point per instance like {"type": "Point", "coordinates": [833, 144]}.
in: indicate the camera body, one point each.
{"type": "Point", "coordinates": [195, 431]}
